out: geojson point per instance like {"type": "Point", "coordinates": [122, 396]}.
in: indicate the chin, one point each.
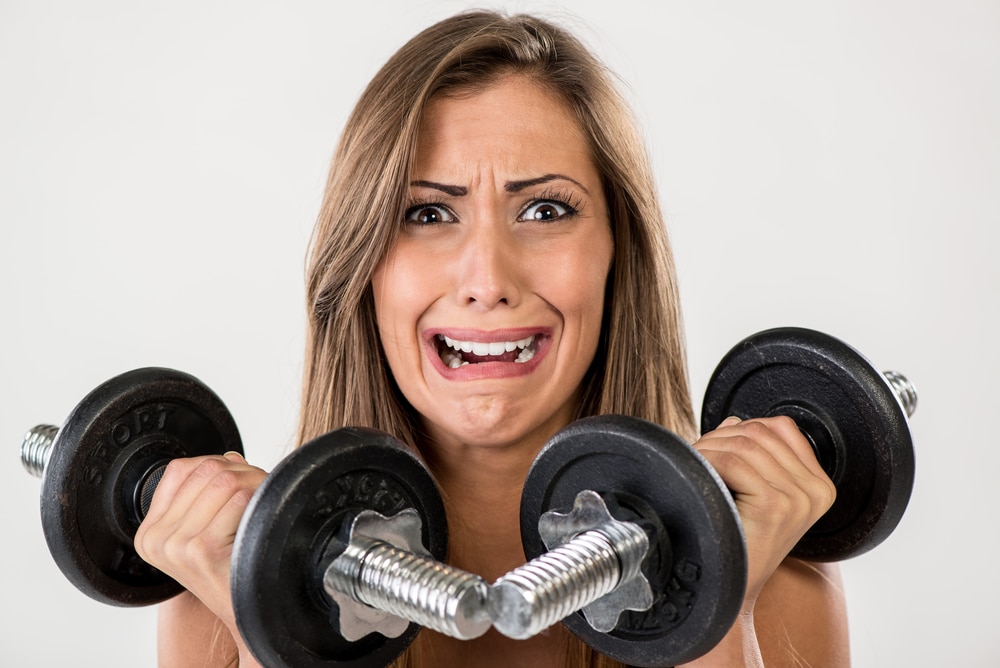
{"type": "Point", "coordinates": [494, 427]}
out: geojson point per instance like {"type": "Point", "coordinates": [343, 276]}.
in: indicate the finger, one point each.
{"type": "Point", "coordinates": [175, 474]}
{"type": "Point", "coordinates": [786, 446]}
{"type": "Point", "coordinates": [195, 533]}
{"type": "Point", "coordinates": [788, 429]}
{"type": "Point", "coordinates": [215, 494]}
{"type": "Point", "coordinates": [214, 541]}
{"type": "Point", "coordinates": [181, 501]}
{"type": "Point", "coordinates": [731, 421]}
{"type": "Point", "coordinates": [742, 478]}
{"type": "Point", "coordinates": [775, 503]}
{"type": "Point", "coordinates": [757, 447]}
{"type": "Point", "coordinates": [226, 521]}
{"type": "Point", "coordinates": [776, 463]}
{"type": "Point", "coordinates": [186, 478]}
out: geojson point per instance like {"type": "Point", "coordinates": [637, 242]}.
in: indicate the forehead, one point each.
{"type": "Point", "coordinates": [517, 118]}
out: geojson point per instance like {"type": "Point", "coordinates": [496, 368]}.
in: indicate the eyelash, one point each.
{"type": "Point", "coordinates": [418, 204]}
{"type": "Point", "coordinates": [563, 199]}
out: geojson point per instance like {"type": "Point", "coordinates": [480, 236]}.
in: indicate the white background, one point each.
{"type": "Point", "coordinates": [834, 165]}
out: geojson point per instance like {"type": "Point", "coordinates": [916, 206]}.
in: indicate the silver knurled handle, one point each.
{"type": "Point", "coordinates": [904, 390]}
{"type": "Point", "coordinates": [37, 447]}
{"type": "Point", "coordinates": [385, 578]}
{"type": "Point", "coordinates": [593, 566]}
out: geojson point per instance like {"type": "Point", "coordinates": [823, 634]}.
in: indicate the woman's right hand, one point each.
{"type": "Point", "coordinates": [191, 525]}
{"type": "Point", "coordinates": [779, 488]}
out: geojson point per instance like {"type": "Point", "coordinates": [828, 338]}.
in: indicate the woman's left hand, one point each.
{"type": "Point", "coordinates": [192, 522]}
{"type": "Point", "coordinates": [778, 485]}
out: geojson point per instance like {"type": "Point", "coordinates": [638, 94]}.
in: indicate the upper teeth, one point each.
{"type": "Point", "coordinates": [492, 348]}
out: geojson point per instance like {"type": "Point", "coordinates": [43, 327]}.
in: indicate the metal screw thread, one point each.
{"type": "Point", "coordinates": [562, 581]}
{"type": "Point", "coordinates": [416, 588]}
{"type": "Point", "coordinates": [36, 448]}
{"type": "Point", "coordinates": [904, 390]}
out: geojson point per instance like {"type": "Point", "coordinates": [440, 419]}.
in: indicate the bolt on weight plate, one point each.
{"type": "Point", "coordinates": [113, 438]}
{"type": "Point", "coordinates": [848, 412]}
{"type": "Point", "coordinates": [282, 545]}
{"type": "Point", "coordinates": [697, 561]}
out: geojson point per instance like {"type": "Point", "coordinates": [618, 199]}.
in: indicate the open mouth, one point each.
{"type": "Point", "coordinates": [455, 353]}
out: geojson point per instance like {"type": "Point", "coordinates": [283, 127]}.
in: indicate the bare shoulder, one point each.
{"type": "Point", "coordinates": [801, 617]}
{"type": "Point", "coordinates": [190, 635]}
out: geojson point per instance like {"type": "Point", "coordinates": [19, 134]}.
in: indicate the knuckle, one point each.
{"type": "Point", "coordinates": [226, 480]}
{"type": "Point", "coordinates": [784, 424]}
{"type": "Point", "coordinates": [793, 502]}
{"type": "Point", "coordinates": [744, 443]}
{"type": "Point", "coordinates": [804, 502]}
{"type": "Point", "coordinates": [725, 460]}
{"type": "Point", "coordinates": [756, 428]}
{"type": "Point", "coordinates": [177, 468]}
{"type": "Point", "coordinates": [241, 499]}
{"type": "Point", "coordinates": [148, 541]}
{"type": "Point", "coordinates": [814, 504]}
{"type": "Point", "coordinates": [200, 546]}
{"type": "Point", "coordinates": [211, 467]}
{"type": "Point", "coordinates": [171, 551]}
{"type": "Point", "coordinates": [780, 501]}
{"type": "Point", "coordinates": [140, 544]}
{"type": "Point", "coordinates": [827, 494]}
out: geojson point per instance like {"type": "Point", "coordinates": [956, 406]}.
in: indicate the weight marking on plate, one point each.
{"type": "Point", "coordinates": [372, 490]}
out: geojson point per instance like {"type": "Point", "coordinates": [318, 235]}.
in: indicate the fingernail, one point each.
{"type": "Point", "coordinates": [234, 456]}
{"type": "Point", "coordinates": [730, 421]}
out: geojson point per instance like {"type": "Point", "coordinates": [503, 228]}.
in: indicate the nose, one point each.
{"type": "Point", "coordinates": [489, 267]}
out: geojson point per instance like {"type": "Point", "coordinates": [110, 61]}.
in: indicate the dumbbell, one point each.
{"type": "Point", "coordinates": [99, 471]}
{"type": "Point", "coordinates": [599, 481]}
{"type": "Point", "coordinates": [854, 416]}
{"type": "Point", "coordinates": [338, 557]}
{"type": "Point", "coordinates": [633, 541]}
{"type": "Point", "coordinates": [375, 503]}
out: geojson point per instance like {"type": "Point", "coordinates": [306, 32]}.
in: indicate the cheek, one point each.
{"type": "Point", "coordinates": [400, 286]}
{"type": "Point", "coordinates": [586, 281]}
{"type": "Point", "coordinates": [595, 306]}
{"type": "Point", "coordinates": [390, 301]}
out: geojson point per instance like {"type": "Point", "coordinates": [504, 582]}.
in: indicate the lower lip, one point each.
{"type": "Point", "coordinates": [489, 370]}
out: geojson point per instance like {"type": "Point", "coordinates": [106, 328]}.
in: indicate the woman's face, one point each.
{"type": "Point", "coordinates": [489, 305]}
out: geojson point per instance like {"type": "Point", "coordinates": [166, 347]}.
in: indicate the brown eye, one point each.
{"type": "Point", "coordinates": [428, 215]}
{"type": "Point", "coordinates": [547, 210]}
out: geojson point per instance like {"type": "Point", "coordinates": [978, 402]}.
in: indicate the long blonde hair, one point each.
{"type": "Point", "coordinates": [640, 367]}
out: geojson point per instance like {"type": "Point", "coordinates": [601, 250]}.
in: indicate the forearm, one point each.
{"type": "Point", "coordinates": [246, 659]}
{"type": "Point", "coordinates": [738, 648]}
{"type": "Point", "coordinates": [189, 634]}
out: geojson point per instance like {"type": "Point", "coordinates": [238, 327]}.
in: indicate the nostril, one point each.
{"type": "Point", "coordinates": [502, 300]}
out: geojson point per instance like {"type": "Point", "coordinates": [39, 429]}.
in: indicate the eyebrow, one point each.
{"type": "Point", "coordinates": [517, 186]}
{"type": "Point", "coordinates": [454, 191]}
{"type": "Point", "coordinates": [510, 186]}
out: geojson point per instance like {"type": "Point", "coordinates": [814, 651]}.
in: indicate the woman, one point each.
{"type": "Point", "coordinates": [490, 264]}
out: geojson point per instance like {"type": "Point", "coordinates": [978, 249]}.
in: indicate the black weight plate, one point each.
{"type": "Point", "coordinates": [281, 610]}
{"type": "Point", "coordinates": [649, 475]}
{"type": "Point", "coordinates": [110, 440]}
{"type": "Point", "coordinates": [858, 427]}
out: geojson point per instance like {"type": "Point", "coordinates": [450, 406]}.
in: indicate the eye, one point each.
{"type": "Point", "coordinates": [428, 214]}
{"type": "Point", "coordinates": [546, 210]}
